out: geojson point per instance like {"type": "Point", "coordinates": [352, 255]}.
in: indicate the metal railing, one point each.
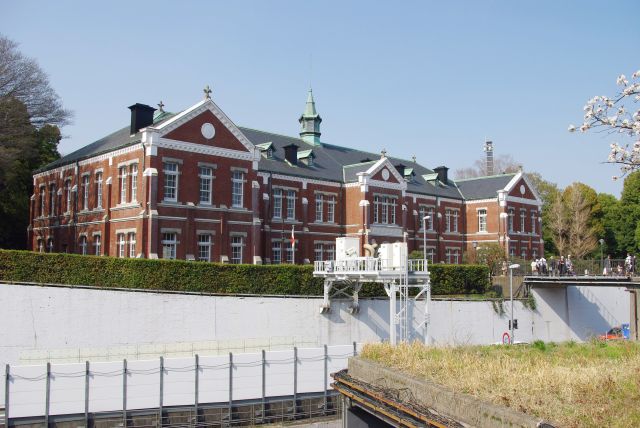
{"type": "Point", "coordinates": [553, 268]}
{"type": "Point", "coordinates": [368, 264]}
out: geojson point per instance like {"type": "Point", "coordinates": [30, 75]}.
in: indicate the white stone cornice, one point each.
{"type": "Point", "coordinates": [299, 179]}
{"type": "Point", "coordinates": [202, 149]}
{"type": "Point", "coordinates": [481, 201]}
{"type": "Point", "coordinates": [526, 201]}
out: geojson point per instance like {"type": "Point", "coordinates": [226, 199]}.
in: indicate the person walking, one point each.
{"type": "Point", "coordinates": [553, 266]}
{"type": "Point", "coordinates": [562, 267]}
{"type": "Point", "coordinates": [607, 266]}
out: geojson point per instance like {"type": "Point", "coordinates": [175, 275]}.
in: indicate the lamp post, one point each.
{"type": "Point", "coordinates": [601, 254]}
{"type": "Point", "coordinates": [503, 223]}
{"type": "Point", "coordinates": [511, 268]}
{"type": "Point", "coordinates": [427, 300]}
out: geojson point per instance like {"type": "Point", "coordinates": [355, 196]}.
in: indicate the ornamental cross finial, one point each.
{"type": "Point", "coordinates": [161, 107]}
{"type": "Point", "coordinates": [207, 93]}
{"type": "Point", "coordinates": [383, 153]}
{"type": "Point", "coordinates": [413, 158]}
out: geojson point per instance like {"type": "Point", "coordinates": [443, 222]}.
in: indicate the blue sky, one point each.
{"type": "Point", "coordinates": [426, 78]}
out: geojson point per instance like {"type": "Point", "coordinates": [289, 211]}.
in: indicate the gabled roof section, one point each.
{"type": "Point", "coordinates": [197, 109]}
{"type": "Point", "coordinates": [350, 172]}
{"type": "Point", "coordinates": [521, 175]}
{"type": "Point", "coordinates": [302, 154]}
{"type": "Point", "coordinates": [265, 146]}
{"type": "Point", "coordinates": [484, 187]}
{"type": "Point", "coordinates": [382, 163]}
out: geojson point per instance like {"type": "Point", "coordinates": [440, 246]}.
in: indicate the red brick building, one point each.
{"type": "Point", "coordinates": [195, 186]}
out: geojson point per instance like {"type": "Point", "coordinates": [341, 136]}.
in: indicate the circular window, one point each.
{"type": "Point", "coordinates": [208, 131]}
{"type": "Point", "coordinates": [385, 174]}
{"type": "Point", "coordinates": [522, 189]}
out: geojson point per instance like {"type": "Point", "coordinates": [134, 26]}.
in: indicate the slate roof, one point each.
{"type": "Point", "coordinates": [331, 163]}
{"type": "Point", "coordinates": [120, 138]}
{"type": "Point", "coordinates": [483, 187]}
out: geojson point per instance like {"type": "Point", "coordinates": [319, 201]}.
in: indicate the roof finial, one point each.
{"type": "Point", "coordinates": [161, 107]}
{"type": "Point", "coordinates": [207, 93]}
{"type": "Point", "coordinates": [383, 153]}
{"type": "Point", "coordinates": [413, 158]}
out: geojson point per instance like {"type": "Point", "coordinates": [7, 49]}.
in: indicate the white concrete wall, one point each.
{"type": "Point", "coordinates": [62, 324]}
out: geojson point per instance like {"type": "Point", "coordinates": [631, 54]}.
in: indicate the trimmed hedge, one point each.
{"type": "Point", "coordinates": [180, 275]}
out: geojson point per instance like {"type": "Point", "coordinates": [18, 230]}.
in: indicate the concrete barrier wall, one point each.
{"type": "Point", "coordinates": [64, 324]}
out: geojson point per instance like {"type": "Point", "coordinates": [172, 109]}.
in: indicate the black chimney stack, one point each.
{"type": "Point", "coordinates": [400, 168]}
{"type": "Point", "coordinates": [291, 153]}
{"type": "Point", "coordinates": [141, 116]}
{"type": "Point", "coordinates": [442, 174]}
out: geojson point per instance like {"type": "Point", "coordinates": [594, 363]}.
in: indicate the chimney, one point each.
{"type": "Point", "coordinates": [141, 117]}
{"type": "Point", "coordinates": [400, 169]}
{"type": "Point", "coordinates": [291, 153]}
{"type": "Point", "coordinates": [488, 148]}
{"type": "Point", "coordinates": [442, 174]}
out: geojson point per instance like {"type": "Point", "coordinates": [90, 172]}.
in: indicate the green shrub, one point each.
{"type": "Point", "coordinates": [180, 275]}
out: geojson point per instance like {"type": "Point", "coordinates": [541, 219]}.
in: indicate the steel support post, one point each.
{"type": "Point", "coordinates": [7, 383]}
{"type": "Point", "coordinates": [86, 393]}
{"type": "Point", "coordinates": [161, 392]}
{"type": "Point", "coordinates": [264, 383]}
{"type": "Point", "coordinates": [47, 396]}
{"type": "Point", "coordinates": [230, 387]}
{"type": "Point", "coordinates": [392, 314]}
{"type": "Point", "coordinates": [195, 392]}
{"type": "Point", "coordinates": [124, 393]}
{"type": "Point", "coordinates": [326, 375]}
{"type": "Point", "coordinates": [295, 380]}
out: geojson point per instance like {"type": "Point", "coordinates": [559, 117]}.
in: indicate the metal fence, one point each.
{"type": "Point", "coordinates": [252, 388]}
{"type": "Point", "coordinates": [614, 267]}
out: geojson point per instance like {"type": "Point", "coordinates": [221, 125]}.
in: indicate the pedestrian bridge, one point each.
{"type": "Point", "coordinates": [587, 280]}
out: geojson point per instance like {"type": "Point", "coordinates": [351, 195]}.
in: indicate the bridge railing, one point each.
{"type": "Point", "coordinates": [611, 267]}
{"type": "Point", "coordinates": [367, 264]}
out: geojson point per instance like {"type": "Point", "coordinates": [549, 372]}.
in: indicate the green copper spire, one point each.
{"type": "Point", "coordinates": [310, 122]}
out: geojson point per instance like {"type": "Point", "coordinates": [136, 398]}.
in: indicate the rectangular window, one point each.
{"type": "Point", "coordinates": [170, 170]}
{"type": "Point", "coordinates": [533, 222]}
{"type": "Point", "coordinates": [447, 220]}
{"type": "Point", "coordinates": [453, 256]}
{"type": "Point", "coordinates": [289, 249]}
{"type": "Point", "coordinates": [237, 182]}
{"type": "Point", "coordinates": [319, 208]}
{"type": "Point", "coordinates": [67, 192]}
{"type": "Point", "coordinates": [134, 182]}
{"type": "Point", "coordinates": [392, 210]}
{"type": "Point", "coordinates": [206, 185]}
{"type": "Point", "coordinates": [376, 209]}
{"type": "Point", "coordinates": [99, 190]}
{"type": "Point", "coordinates": [523, 216]}
{"type": "Point", "coordinates": [318, 250]}
{"type": "Point", "coordinates": [85, 192]}
{"type": "Point", "coordinates": [291, 204]}
{"type": "Point", "coordinates": [237, 242]}
{"type": "Point", "coordinates": [169, 245]}
{"type": "Point", "coordinates": [52, 200]}
{"type": "Point", "coordinates": [331, 210]}
{"type": "Point", "coordinates": [534, 253]}
{"type": "Point", "coordinates": [97, 244]}
{"type": "Point", "coordinates": [50, 245]}
{"type": "Point", "coordinates": [121, 245]}
{"type": "Point", "coordinates": [83, 245]}
{"type": "Point", "coordinates": [512, 214]}
{"type": "Point", "coordinates": [330, 250]}
{"type": "Point", "coordinates": [276, 252]}
{"type": "Point", "coordinates": [512, 252]}
{"type": "Point", "coordinates": [482, 220]}
{"type": "Point", "coordinates": [42, 200]}
{"type": "Point", "coordinates": [204, 247]}
{"type": "Point", "coordinates": [123, 184]}
{"type": "Point", "coordinates": [40, 245]}
{"type": "Point", "coordinates": [431, 254]}
{"type": "Point", "coordinates": [132, 245]}
{"type": "Point", "coordinates": [385, 211]}
{"type": "Point", "coordinates": [277, 203]}
{"type": "Point", "coordinates": [523, 254]}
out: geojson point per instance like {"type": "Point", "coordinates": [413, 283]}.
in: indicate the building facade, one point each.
{"type": "Point", "coordinates": [195, 186]}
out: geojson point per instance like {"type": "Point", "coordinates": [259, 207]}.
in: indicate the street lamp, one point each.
{"type": "Point", "coordinates": [601, 255]}
{"type": "Point", "coordinates": [511, 268]}
{"type": "Point", "coordinates": [427, 301]}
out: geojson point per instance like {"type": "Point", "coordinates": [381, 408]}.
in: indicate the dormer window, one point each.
{"type": "Point", "coordinates": [266, 149]}
{"type": "Point", "coordinates": [307, 157]}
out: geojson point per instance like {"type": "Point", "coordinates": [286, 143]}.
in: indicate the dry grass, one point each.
{"type": "Point", "coordinates": [595, 384]}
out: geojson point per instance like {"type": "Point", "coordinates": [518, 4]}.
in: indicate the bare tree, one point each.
{"type": "Point", "coordinates": [501, 164]}
{"type": "Point", "coordinates": [22, 78]}
{"type": "Point", "coordinates": [558, 224]}
{"type": "Point", "coordinates": [581, 235]}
